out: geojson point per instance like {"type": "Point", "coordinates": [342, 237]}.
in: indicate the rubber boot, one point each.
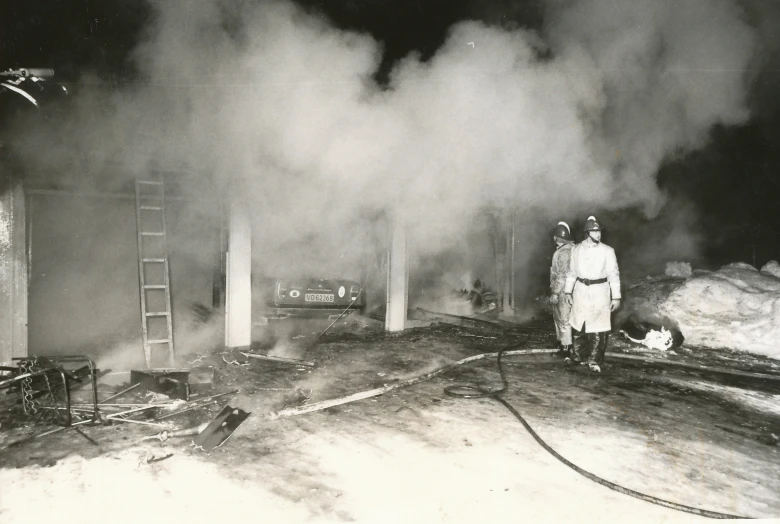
{"type": "Point", "coordinates": [576, 349]}
{"type": "Point", "coordinates": [597, 357]}
{"type": "Point", "coordinates": [578, 339]}
{"type": "Point", "coordinates": [582, 347]}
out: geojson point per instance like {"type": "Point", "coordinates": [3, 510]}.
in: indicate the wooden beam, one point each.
{"type": "Point", "coordinates": [293, 361]}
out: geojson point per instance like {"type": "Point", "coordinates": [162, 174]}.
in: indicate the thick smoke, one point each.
{"type": "Point", "coordinates": [282, 109]}
{"type": "Point", "coordinates": [666, 72]}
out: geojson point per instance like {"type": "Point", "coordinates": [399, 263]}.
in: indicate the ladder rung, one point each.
{"type": "Point", "coordinates": [155, 286]}
{"type": "Point", "coordinates": [152, 208]}
{"type": "Point", "coordinates": [150, 182]}
{"type": "Point", "coordinates": [159, 341]}
{"type": "Point", "coordinates": [153, 260]}
{"type": "Point", "coordinates": [153, 233]}
{"type": "Point", "coordinates": [157, 314]}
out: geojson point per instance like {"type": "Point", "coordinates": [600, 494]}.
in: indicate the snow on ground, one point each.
{"type": "Point", "coordinates": [735, 307]}
{"type": "Point", "coordinates": [124, 488]}
{"type": "Point", "coordinates": [758, 401]}
{"type": "Point", "coordinates": [387, 478]}
{"type": "Point", "coordinates": [415, 454]}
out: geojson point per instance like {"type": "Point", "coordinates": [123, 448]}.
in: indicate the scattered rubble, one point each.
{"type": "Point", "coordinates": [234, 362]}
{"type": "Point", "coordinates": [283, 360]}
{"type": "Point", "coordinates": [186, 432]}
{"type": "Point", "coordinates": [221, 428]}
{"type": "Point", "coordinates": [202, 375]}
{"type": "Point", "coordinates": [46, 390]}
{"type": "Point", "coordinates": [171, 382]}
{"type": "Point", "coordinates": [48, 394]}
{"type": "Point", "coordinates": [376, 365]}
{"type": "Point", "coordinates": [197, 404]}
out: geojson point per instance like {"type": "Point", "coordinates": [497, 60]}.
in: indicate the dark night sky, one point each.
{"type": "Point", "coordinates": [733, 181]}
{"type": "Point", "coordinates": [74, 35]}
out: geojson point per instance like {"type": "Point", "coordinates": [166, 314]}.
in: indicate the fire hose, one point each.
{"type": "Point", "coordinates": [470, 391]}
{"type": "Point", "coordinates": [474, 391]}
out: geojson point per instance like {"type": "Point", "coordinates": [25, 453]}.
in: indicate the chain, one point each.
{"type": "Point", "coordinates": [28, 402]}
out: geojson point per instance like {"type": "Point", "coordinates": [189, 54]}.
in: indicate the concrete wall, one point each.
{"type": "Point", "coordinates": [84, 293]}
{"type": "Point", "coordinates": [13, 269]}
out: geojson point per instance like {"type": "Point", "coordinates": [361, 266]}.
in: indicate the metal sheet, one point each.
{"type": "Point", "coordinates": [220, 429]}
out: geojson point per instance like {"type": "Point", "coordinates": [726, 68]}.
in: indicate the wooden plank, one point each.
{"type": "Point", "coordinates": [280, 359]}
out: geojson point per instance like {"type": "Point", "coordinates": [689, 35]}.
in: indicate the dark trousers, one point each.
{"type": "Point", "coordinates": [589, 347]}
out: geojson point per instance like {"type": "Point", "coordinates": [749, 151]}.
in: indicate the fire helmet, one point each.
{"type": "Point", "coordinates": [562, 232]}
{"type": "Point", "coordinates": [591, 224]}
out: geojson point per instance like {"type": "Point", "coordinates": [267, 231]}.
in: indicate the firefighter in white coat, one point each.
{"type": "Point", "coordinates": [561, 261]}
{"type": "Point", "coordinates": [593, 288]}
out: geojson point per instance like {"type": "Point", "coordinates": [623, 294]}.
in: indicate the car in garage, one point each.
{"type": "Point", "coordinates": [300, 295]}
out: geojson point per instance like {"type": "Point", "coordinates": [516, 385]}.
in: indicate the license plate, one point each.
{"type": "Point", "coordinates": [318, 297]}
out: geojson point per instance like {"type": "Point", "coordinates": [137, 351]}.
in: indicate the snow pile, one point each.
{"type": "Point", "coordinates": [736, 307]}
{"type": "Point", "coordinates": [739, 265]}
{"type": "Point", "coordinates": [678, 269]}
{"type": "Point", "coordinates": [771, 268]}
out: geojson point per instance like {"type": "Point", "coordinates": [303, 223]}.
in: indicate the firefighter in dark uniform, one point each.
{"type": "Point", "coordinates": [561, 261]}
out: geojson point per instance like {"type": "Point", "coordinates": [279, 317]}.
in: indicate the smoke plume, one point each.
{"type": "Point", "coordinates": [282, 108]}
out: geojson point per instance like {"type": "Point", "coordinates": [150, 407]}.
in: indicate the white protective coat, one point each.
{"type": "Point", "coordinates": [592, 261]}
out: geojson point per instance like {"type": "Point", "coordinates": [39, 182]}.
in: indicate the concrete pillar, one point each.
{"type": "Point", "coordinates": [238, 299]}
{"type": "Point", "coordinates": [397, 281]}
{"type": "Point", "coordinates": [13, 269]}
{"type": "Point", "coordinates": [509, 282]}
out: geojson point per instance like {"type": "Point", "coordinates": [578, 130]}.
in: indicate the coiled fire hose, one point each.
{"type": "Point", "coordinates": [469, 391]}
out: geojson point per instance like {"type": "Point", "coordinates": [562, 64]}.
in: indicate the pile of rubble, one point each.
{"type": "Point", "coordinates": [47, 395]}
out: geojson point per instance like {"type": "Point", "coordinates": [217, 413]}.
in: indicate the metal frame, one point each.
{"type": "Point", "coordinates": [56, 369]}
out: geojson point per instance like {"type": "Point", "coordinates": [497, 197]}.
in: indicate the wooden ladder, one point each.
{"type": "Point", "coordinates": [151, 227]}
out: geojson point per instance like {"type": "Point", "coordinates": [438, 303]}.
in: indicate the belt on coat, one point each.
{"type": "Point", "coordinates": [588, 282]}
